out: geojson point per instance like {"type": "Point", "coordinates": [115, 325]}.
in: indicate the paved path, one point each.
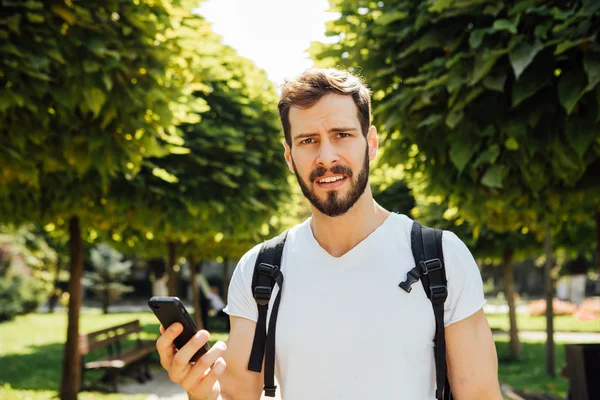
{"type": "Point", "coordinates": [161, 387]}
{"type": "Point", "coordinates": [582, 337]}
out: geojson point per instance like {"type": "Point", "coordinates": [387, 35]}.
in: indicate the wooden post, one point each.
{"type": "Point", "coordinates": [549, 288]}
{"type": "Point", "coordinates": [598, 251]}
{"type": "Point", "coordinates": [173, 275]}
{"type": "Point", "coordinates": [509, 292]}
{"type": "Point", "coordinates": [195, 292]}
{"type": "Point", "coordinates": [225, 277]}
{"type": "Point", "coordinates": [71, 373]}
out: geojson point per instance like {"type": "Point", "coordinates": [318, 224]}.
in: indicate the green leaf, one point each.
{"type": "Point", "coordinates": [55, 55]}
{"type": "Point", "coordinates": [390, 17]}
{"type": "Point", "coordinates": [454, 117]}
{"type": "Point", "coordinates": [164, 175]}
{"type": "Point", "coordinates": [65, 14]}
{"type": "Point", "coordinates": [494, 176]}
{"type": "Point", "coordinates": [14, 23]}
{"type": "Point", "coordinates": [541, 30]}
{"type": "Point", "coordinates": [565, 45]}
{"type": "Point", "coordinates": [530, 83]}
{"type": "Point", "coordinates": [108, 116]}
{"type": "Point", "coordinates": [95, 99]}
{"type": "Point", "coordinates": [591, 64]}
{"type": "Point", "coordinates": [432, 119]}
{"type": "Point", "coordinates": [179, 150]}
{"type": "Point", "coordinates": [440, 5]}
{"type": "Point", "coordinates": [488, 156]}
{"type": "Point", "coordinates": [580, 134]}
{"type": "Point", "coordinates": [494, 82]}
{"type": "Point", "coordinates": [511, 143]}
{"type": "Point", "coordinates": [493, 9]}
{"type": "Point", "coordinates": [483, 64]}
{"type": "Point", "coordinates": [35, 18]}
{"type": "Point", "coordinates": [522, 55]}
{"type": "Point", "coordinates": [461, 152]}
{"type": "Point", "coordinates": [477, 36]}
{"type": "Point", "coordinates": [571, 87]}
{"type": "Point", "coordinates": [505, 25]}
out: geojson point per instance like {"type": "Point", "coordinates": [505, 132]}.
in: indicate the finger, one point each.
{"type": "Point", "coordinates": [205, 386]}
{"type": "Point", "coordinates": [201, 368]}
{"type": "Point", "coordinates": [165, 346]}
{"type": "Point", "coordinates": [181, 360]}
{"type": "Point", "coordinates": [162, 330]}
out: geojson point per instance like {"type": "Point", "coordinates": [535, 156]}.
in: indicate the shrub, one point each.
{"type": "Point", "coordinates": [20, 294]}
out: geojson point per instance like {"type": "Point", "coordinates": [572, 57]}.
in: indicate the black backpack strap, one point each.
{"type": "Point", "coordinates": [429, 267]}
{"type": "Point", "coordinates": [266, 273]}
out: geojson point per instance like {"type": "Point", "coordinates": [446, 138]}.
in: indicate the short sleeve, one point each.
{"type": "Point", "coordinates": [465, 287]}
{"type": "Point", "coordinates": [240, 301]}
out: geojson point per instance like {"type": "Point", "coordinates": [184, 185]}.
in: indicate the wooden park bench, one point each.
{"type": "Point", "coordinates": [117, 359]}
{"type": "Point", "coordinates": [510, 393]}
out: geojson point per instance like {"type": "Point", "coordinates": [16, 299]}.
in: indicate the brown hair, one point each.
{"type": "Point", "coordinates": [312, 85]}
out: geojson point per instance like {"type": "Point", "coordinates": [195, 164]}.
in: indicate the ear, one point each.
{"type": "Point", "coordinates": [288, 155]}
{"type": "Point", "coordinates": [372, 142]}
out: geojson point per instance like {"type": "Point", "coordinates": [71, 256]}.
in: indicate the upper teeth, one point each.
{"type": "Point", "coordinates": [330, 179]}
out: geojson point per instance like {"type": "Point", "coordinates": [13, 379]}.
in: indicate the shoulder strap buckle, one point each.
{"type": "Point", "coordinates": [431, 265]}
{"type": "Point", "coordinates": [268, 270]}
{"type": "Point", "coordinates": [262, 295]}
{"type": "Point", "coordinates": [438, 294]}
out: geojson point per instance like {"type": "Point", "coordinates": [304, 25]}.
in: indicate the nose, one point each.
{"type": "Point", "coordinates": [327, 154]}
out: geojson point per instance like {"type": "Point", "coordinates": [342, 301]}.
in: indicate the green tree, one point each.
{"type": "Point", "coordinates": [110, 271]}
{"type": "Point", "coordinates": [227, 174]}
{"type": "Point", "coordinates": [492, 104]}
{"type": "Point", "coordinates": [88, 91]}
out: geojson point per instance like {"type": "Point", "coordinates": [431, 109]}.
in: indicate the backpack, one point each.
{"type": "Point", "coordinates": [429, 269]}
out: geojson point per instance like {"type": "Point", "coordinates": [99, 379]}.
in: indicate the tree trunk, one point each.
{"type": "Point", "coordinates": [195, 293]}
{"type": "Point", "coordinates": [509, 293]}
{"type": "Point", "coordinates": [225, 279]}
{"type": "Point", "coordinates": [173, 275]}
{"type": "Point", "coordinates": [105, 301]}
{"type": "Point", "coordinates": [53, 299]}
{"type": "Point", "coordinates": [549, 288]}
{"type": "Point", "coordinates": [71, 374]}
{"type": "Point", "coordinates": [598, 251]}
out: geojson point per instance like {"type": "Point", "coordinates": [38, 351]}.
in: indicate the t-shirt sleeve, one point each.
{"type": "Point", "coordinates": [240, 301]}
{"type": "Point", "coordinates": [465, 287]}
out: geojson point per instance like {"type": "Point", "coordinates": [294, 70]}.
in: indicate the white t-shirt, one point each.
{"type": "Point", "coordinates": [345, 330]}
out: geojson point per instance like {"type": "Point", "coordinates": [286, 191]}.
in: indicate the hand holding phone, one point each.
{"type": "Point", "coordinates": [169, 310]}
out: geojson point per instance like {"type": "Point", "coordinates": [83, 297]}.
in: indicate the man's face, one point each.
{"type": "Point", "coordinates": [329, 154]}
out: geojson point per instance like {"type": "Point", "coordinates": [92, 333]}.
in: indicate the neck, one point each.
{"type": "Point", "coordinates": [338, 235]}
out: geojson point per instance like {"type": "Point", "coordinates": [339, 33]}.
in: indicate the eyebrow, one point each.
{"type": "Point", "coordinates": [332, 130]}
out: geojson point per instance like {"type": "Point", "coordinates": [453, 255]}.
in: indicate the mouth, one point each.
{"type": "Point", "coordinates": [331, 182]}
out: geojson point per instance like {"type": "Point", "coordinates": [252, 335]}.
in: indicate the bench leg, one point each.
{"type": "Point", "coordinates": [114, 375]}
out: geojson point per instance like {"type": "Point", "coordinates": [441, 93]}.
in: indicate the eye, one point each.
{"type": "Point", "coordinates": [343, 134]}
{"type": "Point", "coordinates": [307, 141]}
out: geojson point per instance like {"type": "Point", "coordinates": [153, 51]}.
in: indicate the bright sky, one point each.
{"type": "Point", "coordinates": [275, 34]}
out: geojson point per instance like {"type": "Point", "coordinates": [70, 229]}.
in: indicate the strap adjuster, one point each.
{"type": "Point", "coordinates": [262, 294]}
{"type": "Point", "coordinates": [268, 269]}
{"type": "Point", "coordinates": [270, 390]}
{"type": "Point", "coordinates": [431, 265]}
{"type": "Point", "coordinates": [438, 294]}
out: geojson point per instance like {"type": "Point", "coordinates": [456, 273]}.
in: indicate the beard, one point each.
{"type": "Point", "coordinates": [335, 204]}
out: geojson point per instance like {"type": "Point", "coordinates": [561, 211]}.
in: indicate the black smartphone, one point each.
{"type": "Point", "coordinates": [169, 310]}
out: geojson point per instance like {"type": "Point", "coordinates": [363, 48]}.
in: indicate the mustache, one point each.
{"type": "Point", "coordinates": [336, 169]}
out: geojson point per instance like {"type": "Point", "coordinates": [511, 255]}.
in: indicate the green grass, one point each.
{"type": "Point", "coordinates": [31, 350]}
{"type": "Point", "coordinates": [529, 372]}
{"type": "Point", "coordinates": [526, 322]}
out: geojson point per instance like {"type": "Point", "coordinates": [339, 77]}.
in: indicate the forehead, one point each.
{"type": "Point", "coordinates": [330, 111]}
